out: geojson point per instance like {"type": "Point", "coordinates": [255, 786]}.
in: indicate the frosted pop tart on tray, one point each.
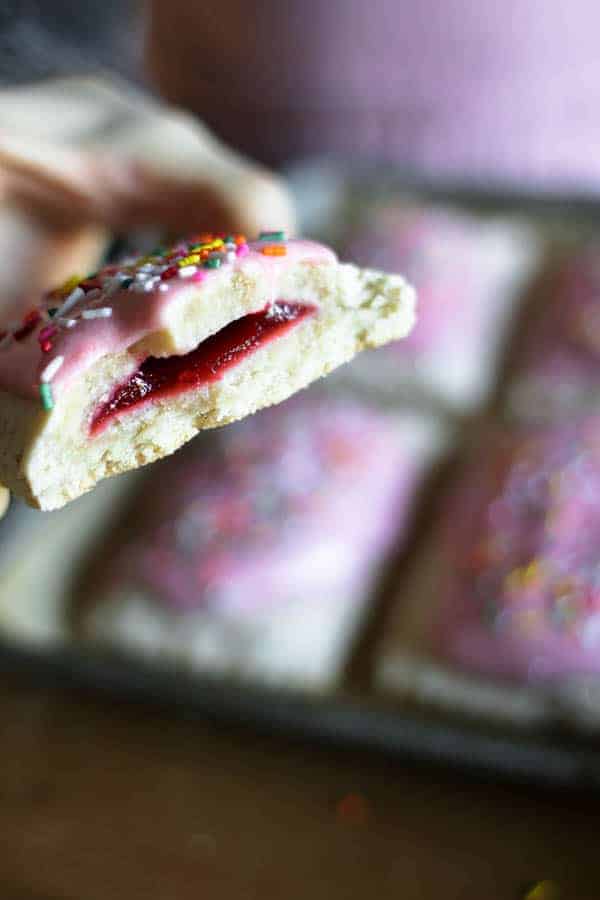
{"type": "Point", "coordinates": [256, 551]}
{"type": "Point", "coordinates": [122, 367]}
{"type": "Point", "coordinates": [501, 616]}
{"type": "Point", "coordinates": [471, 274]}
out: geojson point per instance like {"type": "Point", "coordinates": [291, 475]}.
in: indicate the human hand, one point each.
{"type": "Point", "coordinates": [84, 160]}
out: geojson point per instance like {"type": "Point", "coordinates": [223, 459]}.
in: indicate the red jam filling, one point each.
{"type": "Point", "coordinates": [172, 375]}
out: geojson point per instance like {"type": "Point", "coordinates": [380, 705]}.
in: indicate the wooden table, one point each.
{"type": "Point", "coordinates": [102, 800]}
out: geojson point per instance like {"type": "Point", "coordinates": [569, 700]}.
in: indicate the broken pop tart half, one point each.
{"type": "Point", "coordinates": [122, 367]}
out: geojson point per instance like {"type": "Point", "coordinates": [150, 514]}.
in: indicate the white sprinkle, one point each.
{"type": "Point", "coordinates": [142, 276]}
{"type": "Point", "coordinates": [138, 286]}
{"type": "Point", "coordinates": [66, 323]}
{"type": "Point", "coordinates": [104, 312]}
{"type": "Point", "coordinates": [231, 256]}
{"type": "Point", "coordinates": [6, 341]}
{"type": "Point", "coordinates": [163, 288]}
{"type": "Point", "coordinates": [51, 369]}
{"type": "Point", "coordinates": [112, 285]}
{"type": "Point", "coordinates": [186, 271]}
{"type": "Point", "coordinates": [74, 297]}
{"type": "Point", "coordinates": [147, 267]}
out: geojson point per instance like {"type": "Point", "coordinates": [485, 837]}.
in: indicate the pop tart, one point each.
{"type": "Point", "coordinates": [256, 552]}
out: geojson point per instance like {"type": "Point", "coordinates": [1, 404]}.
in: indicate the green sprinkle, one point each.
{"type": "Point", "coordinates": [126, 282]}
{"type": "Point", "coordinates": [212, 262]}
{"type": "Point", "coordinates": [158, 251]}
{"type": "Point", "coordinates": [272, 236]}
{"type": "Point", "coordinates": [46, 397]}
{"type": "Point", "coordinates": [53, 311]}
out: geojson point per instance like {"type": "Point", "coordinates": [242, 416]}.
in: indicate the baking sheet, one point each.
{"type": "Point", "coordinates": [50, 545]}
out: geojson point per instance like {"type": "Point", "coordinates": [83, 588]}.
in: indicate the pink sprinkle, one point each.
{"type": "Point", "coordinates": [199, 276]}
{"type": "Point", "coordinates": [242, 250]}
{"type": "Point", "coordinates": [47, 332]}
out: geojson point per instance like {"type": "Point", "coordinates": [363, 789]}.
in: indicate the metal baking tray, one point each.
{"type": "Point", "coordinates": [353, 716]}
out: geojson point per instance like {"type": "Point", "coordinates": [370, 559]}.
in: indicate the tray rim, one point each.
{"type": "Point", "coordinates": [343, 719]}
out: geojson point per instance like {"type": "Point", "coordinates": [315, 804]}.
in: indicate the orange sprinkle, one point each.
{"type": "Point", "coordinates": [353, 809]}
{"type": "Point", "coordinates": [274, 250]}
{"type": "Point", "coordinates": [544, 890]}
{"type": "Point", "coordinates": [240, 239]}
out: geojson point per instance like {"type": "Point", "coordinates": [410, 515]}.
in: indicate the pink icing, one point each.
{"type": "Point", "coordinates": [134, 315]}
{"type": "Point", "coordinates": [523, 595]}
{"type": "Point", "coordinates": [437, 251]}
{"type": "Point", "coordinates": [272, 509]}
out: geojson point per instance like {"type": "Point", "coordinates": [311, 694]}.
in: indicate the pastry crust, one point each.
{"type": "Point", "coordinates": [49, 457]}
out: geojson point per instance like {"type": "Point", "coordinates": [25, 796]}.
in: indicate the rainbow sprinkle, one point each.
{"type": "Point", "coordinates": [274, 250]}
{"type": "Point", "coordinates": [51, 369]}
{"type": "Point", "coordinates": [85, 298]}
{"type": "Point", "coordinates": [543, 890]}
{"type": "Point", "coordinates": [272, 236]}
{"type": "Point", "coordinates": [46, 396]}
{"type": "Point", "coordinates": [103, 312]}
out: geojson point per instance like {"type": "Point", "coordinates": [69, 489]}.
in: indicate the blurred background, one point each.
{"type": "Point", "coordinates": [403, 559]}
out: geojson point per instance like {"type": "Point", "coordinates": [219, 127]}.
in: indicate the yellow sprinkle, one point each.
{"type": "Point", "coordinates": [531, 573]}
{"type": "Point", "coordinates": [207, 246]}
{"type": "Point", "coordinates": [70, 284]}
{"type": "Point", "coordinates": [544, 890]}
{"type": "Point", "coordinates": [523, 577]}
{"type": "Point", "coordinates": [192, 260]}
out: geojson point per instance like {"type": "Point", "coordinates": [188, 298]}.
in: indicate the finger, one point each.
{"type": "Point", "coordinates": [163, 168]}
{"type": "Point", "coordinates": [172, 152]}
{"type": "Point", "coordinates": [36, 257]}
{"type": "Point", "coordinates": [52, 182]}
